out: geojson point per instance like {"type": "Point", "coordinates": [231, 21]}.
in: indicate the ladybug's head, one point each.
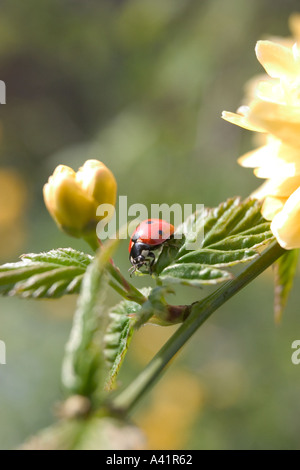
{"type": "Point", "coordinates": [138, 254]}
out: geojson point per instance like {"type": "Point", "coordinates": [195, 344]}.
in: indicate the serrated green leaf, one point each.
{"type": "Point", "coordinates": [192, 230]}
{"type": "Point", "coordinates": [226, 235]}
{"type": "Point", "coordinates": [117, 337]}
{"type": "Point", "coordinates": [232, 218]}
{"type": "Point", "coordinates": [124, 318]}
{"type": "Point", "coordinates": [262, 227]}
{"type": "Point", "coordinates": [45, 275]}
{"type": "Point", "coordinates": [61, 256]}
{"type": "Point", "coordinates": [84, 363]}
{"type": "Point", "coordinates": [284, 273]}
{"type": "Point", "coordinates": [193, 274]}
{"type": "Point", "coordinates": [240, 241]}
{"type": "Point", "coordinates": [218, 258]}
{"type": "Point", "coordinates": [168, 253]}
{"type": "Point", "coordinates": [250, 217]}
{"type": "Point", "coordinates": [223, 220]}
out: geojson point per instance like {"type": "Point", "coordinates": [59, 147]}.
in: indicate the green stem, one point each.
{"type": "Point", "coordinates": [200, 312]}
{"type": "Point", "coordinates": [118, 289]}
{"type": "Point", "coordinates": [93, 241]}
{"type": "Point", "coordinates": [132, 293]}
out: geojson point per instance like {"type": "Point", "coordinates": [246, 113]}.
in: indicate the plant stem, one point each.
{"type": "Point", "coordinates": [131, 291]}
{"type": "Point", "coordinates": [200, 312]}
{"type": "Point", "coordinates": [118, 289]}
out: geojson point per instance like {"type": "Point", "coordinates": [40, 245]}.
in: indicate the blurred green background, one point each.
{"type": "Point", "coordinates": [140, 85]}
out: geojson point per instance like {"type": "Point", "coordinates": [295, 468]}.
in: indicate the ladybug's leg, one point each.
{"type": "Point", "coordinates": [132, 270]}
{"type": "Point", "coordinates": [151, 255]}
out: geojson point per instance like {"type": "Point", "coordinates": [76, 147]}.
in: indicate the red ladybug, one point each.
{"type": "Point", "coordinates": [148, 236]}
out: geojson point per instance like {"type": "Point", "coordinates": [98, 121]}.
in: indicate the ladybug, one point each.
{"type": "Point", "coordinates": [148, 236]}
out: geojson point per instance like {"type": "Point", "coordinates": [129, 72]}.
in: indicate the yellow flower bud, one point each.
{"type": "Point", "coordinates": [72, 198]}
{"type": "Point", "coordinates": [98, 181]}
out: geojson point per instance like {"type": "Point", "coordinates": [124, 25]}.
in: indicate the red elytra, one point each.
{"type": "Point", "coordinates": [152, 232]}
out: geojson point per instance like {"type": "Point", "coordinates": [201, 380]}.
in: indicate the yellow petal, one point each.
{"type": "Point", "coordinates": [98, 181]}
{"type": "Point", "coordinates": [70, 207]}
{"type": "Point", "coordinates": [284, 41]}
{"type": "Point", "coordinates": [271, 90]}
{"type": "Point", "coordinates": [277, 187]}
{"type": "Point", "coordinates": [48, 195]}
{"type": "Point", "coordinates": [63, 170]}
{"type": "Point", "coordinates": [260, 156]}
{"type": "Point", "coordinates": [251, 86]}
{"type": "Point", "coordinates": [241, 121]}
{"type": "Point", "coordinates": [280, 120]}
{"type": "Point", "coordinates": [271, 207]}
{"type": "Point", "coordinates": [73, 198]}
{"type": "Point", "coordinates": [278, 60]}
{"type": "Point", "coordinates": [267, 111]}
{"type": "Point", "coordinates": [60, 172]}
{"type": "Point", "coordinates": [286, 224]}
{"type": "Point", "coordinates": [286, 170]}
{"type": "Point", "coordinates": [274, 160]}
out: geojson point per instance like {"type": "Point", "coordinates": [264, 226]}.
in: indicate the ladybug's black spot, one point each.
{"type": "Point", "coordinates": [149, 222]}
{"type": "Point", "coordinates": [160, 232]}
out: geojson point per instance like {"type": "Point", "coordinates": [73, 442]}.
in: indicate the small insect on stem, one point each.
{"type": "Point", "coordinates": [148, 237]}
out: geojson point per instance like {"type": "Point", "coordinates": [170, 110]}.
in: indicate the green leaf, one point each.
{"type": "Point", "coordinates": [231, 217]}
{"type": "Point", "coordinates": [167, 254]}
{"type": "Point", "coordinates": [84, 362]}
{"type": "Point", "coordinates": [243, 241]}
{"type": "Point", "coordinates": [45, 275]}
{"type": "Point", "coordinates": [233, 225]}
{"type": "Point", "coordinates": [226, 236]}
{"type": "Point", "coordinates": [218, 258]}
{"type": "Point", "coordinates": [193, 274]}
{"type": "Point", "coordinates": [284, 273]}
{"type": "Point", "coordinates": [117, 337]}
{"type": "Point", "coordinates": [124, 319]}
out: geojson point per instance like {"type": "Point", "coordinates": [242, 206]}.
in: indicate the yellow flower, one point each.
{"type": "Point", "coordinates": [285, 224]}
{"type": "Point", "coordinates": [72, 198]}
{"type": "Point", "coordinates": [273, 109]}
